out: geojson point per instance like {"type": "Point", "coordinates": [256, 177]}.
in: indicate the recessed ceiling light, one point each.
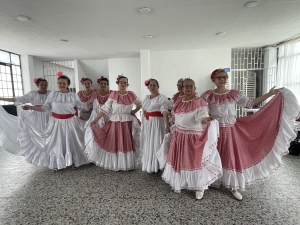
{"type": "Point", "coordinates": [63, 40]}
{"type": "Point", "coordinates": [220, 33]}
{"type": "Point", "coordinates": [23, 18]}
{"type": "Point", "coordinates": [145, 10]}
{"type": "Point", "coordinates": [148, 36]}
{"type": "Point", "coordinates": [252, 4]}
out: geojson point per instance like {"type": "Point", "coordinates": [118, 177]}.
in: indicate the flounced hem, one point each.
{"type": "Point", "coordinates": [272, 161]}
{"type": "Point", "coordinates": [196, 179]}
{"type": "Point", "coordinates": [39, 156]}
{"type": "Point", "coordinates": [111, 161]}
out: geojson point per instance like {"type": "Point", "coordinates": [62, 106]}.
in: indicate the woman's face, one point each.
{"type": "Point", "coordinates": [87, 84]}
{"type": "Point", "coordinates": [123, 83]}
{"type": "Point", "coordinates": [153, 87]}
{"type": "Point", "coordinates": [43, 85]}
{"type": "Point", "coordinates": [189, 88]}
{"type": "Point", "coordinates": [62, 85]}
{"type": "Point", "coordinates": [220, 79]}
{"type": "Point", "coordinates": [103, 86]}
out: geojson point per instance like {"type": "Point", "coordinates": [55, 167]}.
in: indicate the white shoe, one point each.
{"type": "Point", "coordinates": [237, 194]}
{"type": "Point", "coordinates": [199, 194]}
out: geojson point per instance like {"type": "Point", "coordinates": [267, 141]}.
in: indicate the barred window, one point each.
{"type": "Point", "coordinates": [11, 84]}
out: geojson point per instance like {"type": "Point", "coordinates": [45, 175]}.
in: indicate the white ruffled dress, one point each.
{"type": "Point", "coordinates": [153, 131]}
{"type": "Point", "coordinates": [9, 128]}
{"type": "Point", "coordinates": [61, 143]}
{"type": "Point", "coordinates": [115, 146]}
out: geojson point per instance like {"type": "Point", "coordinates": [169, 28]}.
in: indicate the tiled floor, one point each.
{"type": "Point", "coordinates": [91, 195]}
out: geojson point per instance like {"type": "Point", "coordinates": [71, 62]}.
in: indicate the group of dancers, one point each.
{"type": "Point", "coordinates": [195, 139]}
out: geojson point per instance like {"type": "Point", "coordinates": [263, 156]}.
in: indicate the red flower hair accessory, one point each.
{"type": "Point", "coordinates": [118, 78]}
{"type": "Point", "coordinates": [60, 73]}
{"type": "Point", "coordinates": [213, 73]}
{"type": "Point", "coordinates": [35, 80]}
{"type": "Point", "coordinates": [146, 82]}
{"type": "Point", "coordinates": [82, 79]}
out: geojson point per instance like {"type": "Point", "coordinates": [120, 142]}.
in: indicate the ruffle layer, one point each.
{"type": "Point", "coordinates": [102, 99]}
{"type": "Point", "coordinates": [197, 178]}
{"type": "Point", "coordinates": [113, 161]}
{"type": "Point", "coordinates": [231, 96]}
{"type": "Point", "coordinates": [126, 99]}
{"type": "Point", "coordinates": [59, 146]}
{"type": "Point", "coordinates": [85, 98]}
{"type": "Point", "coordinates": [189, 106]}
{"type": "Point", "coordinates": [272, 161]}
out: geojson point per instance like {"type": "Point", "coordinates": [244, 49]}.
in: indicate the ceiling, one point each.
{"type": "Point", "coordinates": [99, 29]}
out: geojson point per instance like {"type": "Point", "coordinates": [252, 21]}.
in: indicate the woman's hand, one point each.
{"type": "Point", "coordinates": [274, 91]}
{"type": "Point", "coordinates": [144, 113]}
{"type": "Point", "coordinates": [133, 112]}
{"type": "Point", "coordinates": [27, 107]}
{"type": "Point", "coordinates": [167, 129]}
{"type": "Point", "coordinates": [95, 121]}
{"type": "Point", "coordinates": [206, 120]}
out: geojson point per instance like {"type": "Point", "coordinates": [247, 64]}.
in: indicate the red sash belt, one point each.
{"type": "Point", "coordinates": [62, 116]}
{"type": "Point", "coordinates": [153, 114]}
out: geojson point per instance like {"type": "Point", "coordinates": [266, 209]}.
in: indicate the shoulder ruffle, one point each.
{"type": "Point", "coordinates": [126, 99]}
{"type": "Point", "coordinates": [189, 106]}
{"type": "Point", "coordinates": [230, 96]}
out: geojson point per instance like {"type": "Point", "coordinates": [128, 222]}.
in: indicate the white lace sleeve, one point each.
{"type": "Point", "coordinates": [201, 113]}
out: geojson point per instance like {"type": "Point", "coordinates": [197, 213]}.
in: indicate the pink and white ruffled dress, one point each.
{"type": "Point", "coordinates": [188, 153]}
{"type": "Point", "coordinates": [82, 113]}
{"type": "Point", "coordinates": [251, 147]}
{"type": "Point", "coordinates": [116, 145]}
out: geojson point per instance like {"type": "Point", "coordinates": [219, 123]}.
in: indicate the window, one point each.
{"type": "Point", "coordinates": [288, 73]}
{"type": "Point", "coordinates": [11, 84]}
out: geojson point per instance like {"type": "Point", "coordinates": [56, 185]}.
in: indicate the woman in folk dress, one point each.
{"type": "Point", "coordinates": [188, 153]}
{"type": "Point", "coordinates": [154, 126]}
{"type": "Point", "coordinates": [61, 144]}
{"type": "Point", "coordinates": [116, 145]}
{"type": "Point", "coordinates": [250, 147]}
{"type": "Point", "coordinates": [86, 95]}
{"type": "Point", "coordinates": [9, 124]}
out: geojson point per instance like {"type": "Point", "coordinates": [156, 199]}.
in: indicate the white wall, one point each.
{"type": "Point", "coordinates": [93, 69]}
{"type": "Point", "coordinates": [168, 66]}
{"type": "Point", "coordinates": [28, 73]}
{"type": "Point", "coordinates": [129, 67]}
{"type": "Point", "coordinates": [38, 68]}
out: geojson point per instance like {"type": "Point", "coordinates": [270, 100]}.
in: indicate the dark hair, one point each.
{"type": "Point", "coordinates": [103, 79]}
{"type": "Point", "coordinates": [85, 79]}
{"type": "Point", "coordinates": [154, 81]}
{"type": "Point", "coordinates": [187, 79]}
{"type": "Point", "coordinates": [66, 78]}
{"type": "Point", "coordinates": [40, 80]}
{"type": "Point", "coordinates": [120, 77]}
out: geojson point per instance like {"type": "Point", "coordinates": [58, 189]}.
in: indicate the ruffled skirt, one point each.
{"type": "Point", "coordinates": [152, 136]}
{"type": "Point", "coordinates": [9, 128]}
{"type": "Point", "coordinates": [60, 145]}
{"type": "Point", "coordinates": [115, 146]}
{"type": "Point", "coordinates": [193, 161]}
{"type": "Point", "coordinates": [251, 150]}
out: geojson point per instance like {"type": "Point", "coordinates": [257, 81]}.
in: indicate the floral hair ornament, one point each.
{"type": "Point", "coordinates": [214, 73]}
{"type": "Point", "coordinates": [147, 82]}
{"type": "Point", "coordinates": [118, 78]}
{"type": "Point", "coordinates": [35, 80]}
{"type": "Point", "coordinates": [180, 82]}
{"type": "Point", "coordinates": [82, 79]}
{"type": "Point", "coordinates": [100, 78]}
{"type": "Point", "coordinates": [60, 73]}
